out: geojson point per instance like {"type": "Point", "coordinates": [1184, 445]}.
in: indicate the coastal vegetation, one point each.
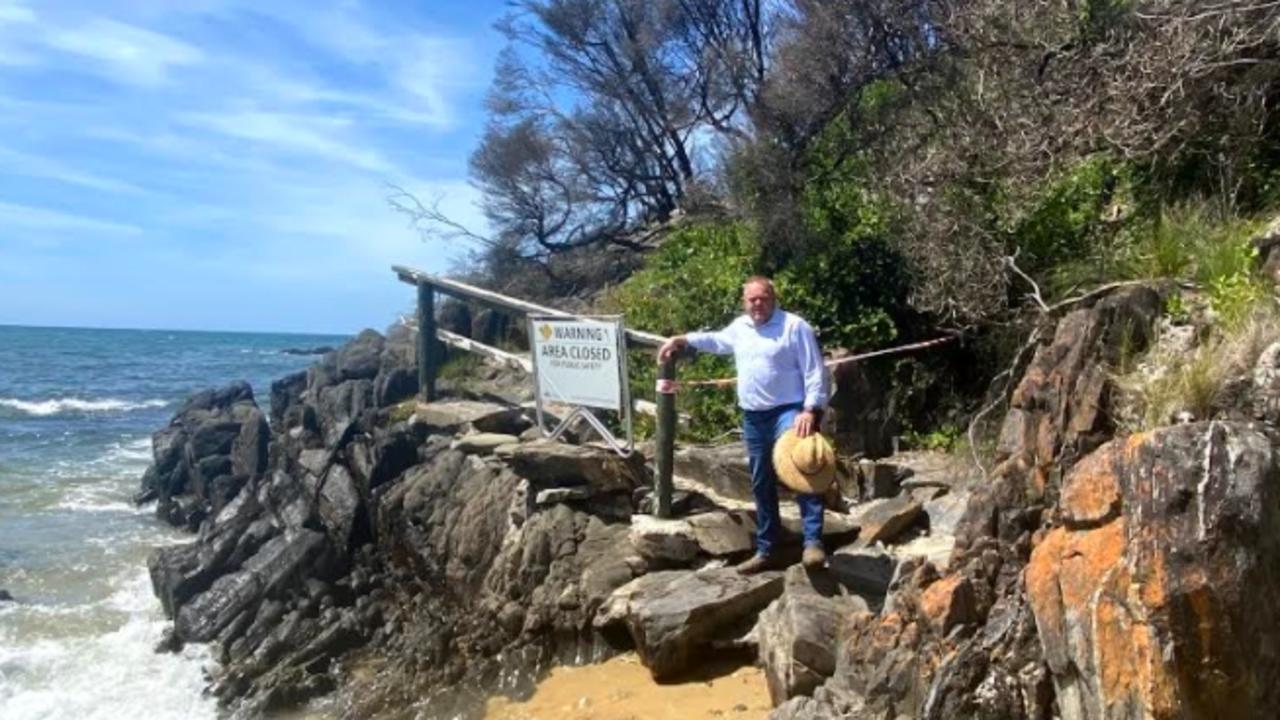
{"type": "Point", "coordinates": [901, 168]}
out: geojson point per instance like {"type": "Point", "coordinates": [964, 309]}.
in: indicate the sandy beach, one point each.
{"type": "Point", "coordinates": [622, 689]}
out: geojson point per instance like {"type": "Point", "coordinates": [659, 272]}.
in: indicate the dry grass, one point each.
{"type": "Point", "coordinates": [1180, 375]}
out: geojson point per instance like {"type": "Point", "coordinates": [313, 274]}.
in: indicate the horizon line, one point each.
{"type": "Point", "coordinates": [177, 330]}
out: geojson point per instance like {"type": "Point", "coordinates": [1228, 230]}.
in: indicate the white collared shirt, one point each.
{"type": "Point", "coordinates": [778, 362]}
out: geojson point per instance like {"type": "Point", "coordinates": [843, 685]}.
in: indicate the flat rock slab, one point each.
{"type": "Point", "coordinates": [863, 571]}
{"type": "Point", "coordinates": [800, 632]}
{"type": "Point", "coordinates": [483, 443]}
{"type": "Point", "coordinates": [945, 512]}
{"type": "Point", "coordinates": [722, 468]}
{"type": "Point", "coordinates": [884, 520]}
{"type": "Point", "coordinates": [837, 528]}
{"type": "Point", "coordinates": [663, 542]}
{"type": "Point", "coordinates": [552, 496]}
{"type": "Point", "coordinates": [460, 415]}
{"type": "Point", "coordinates": [723, 534]}
{"type": "Point", "coordinates": [552, 464]}
{"type": "Point", "coordinates": [936, 549]}
{"type": "Point", "coordinates": [674, 616]}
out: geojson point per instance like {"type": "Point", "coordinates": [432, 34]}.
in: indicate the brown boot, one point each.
{"type": "Point", "coordinates": [814, 557]}
{"type": "Point", "coordinates": [757, 564]}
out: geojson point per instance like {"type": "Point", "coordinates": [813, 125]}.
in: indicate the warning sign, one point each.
{"type": "Point", "coordinates": [578, 362]}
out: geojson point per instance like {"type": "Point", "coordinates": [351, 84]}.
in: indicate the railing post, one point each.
{"type": "Point", "coordinates": [664, 459]}
{"type": "Point", "coordinates": [426, 342]}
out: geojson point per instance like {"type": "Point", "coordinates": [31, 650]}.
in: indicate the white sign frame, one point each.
{"type": "Point", "coordinates": [614, 322]}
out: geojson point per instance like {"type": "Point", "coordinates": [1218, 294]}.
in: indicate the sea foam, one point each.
{"type": "Point", "coordinates": [55, 406]}
{"type": "Point", "coordinates": [110, 673]}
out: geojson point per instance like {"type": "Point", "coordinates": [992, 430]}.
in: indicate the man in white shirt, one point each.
{"type": "Point", "coordinates": [781, 385]}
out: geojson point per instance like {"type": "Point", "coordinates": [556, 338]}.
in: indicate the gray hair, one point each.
{"type": "Point", "coordinates": [760, 280]}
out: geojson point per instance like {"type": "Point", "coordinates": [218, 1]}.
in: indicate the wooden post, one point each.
{"type": "Point", "coordinates": [427, 358]}
{"type": "Point", "coordinates": [664, 459]}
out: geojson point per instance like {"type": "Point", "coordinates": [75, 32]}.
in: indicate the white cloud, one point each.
{"type": "Point", "coordinates": [129, 54]}
{"type": "Point", "coordinates": [26, 165]}
{"type": "Point", "coordinates": [14, 16]}
{"type": "Point", "coordinates": [14, 12]}
{"type": "Point", "coordinates": [26, 217]}
{"type": "Point", "coordinates": [312, 136]}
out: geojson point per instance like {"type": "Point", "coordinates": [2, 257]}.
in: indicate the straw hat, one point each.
{"type": "Point", "coordinates": [806, 465]}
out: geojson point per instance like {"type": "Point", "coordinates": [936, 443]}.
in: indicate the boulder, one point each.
{"type": "Point", "coordinates": [483, 443]}
{"type": "Point", "coordinates": [1155, 596]}
{"type": "Point", "coordinates": [1266, 383]}
{"type": "Point", "coordinates": [340, 508]}
{"type": "Point", "coordinates": [663, 542]}
{"type": "Point", "coordinates": [722, 468]}
{"type": "Point", "coordinates": [360, 358]}
{"type": "Point", "coordinates": [799, 633]}
{"type": "Point", "coordinates": [886, 520]}
{"type": "Point", "coordinates": [249, 448]}
{"type": "Point", "coordinates": [1058, 411]}
{"type": "Point", "coordinates": [5, 596]}
{"type": "Point", "coordinates": [864, 571]}
{"type": "Point", "coordinates": [947, 603]}
{"type": "Point", "coordinates": [673, 616]}
{"type": "Point", "coordinates": [723, 533]}
{"type": "Point", "coordinates": [547, 463]}
{"type": "Point", "coordinates": [837, 528]}
{"type": "Point", "coordinates": [283, 560]}
{"type": "Point", "coordinates": [552, 496]}
{"type": "Point", "coordinates": [339, 406]}
{"type": "Point", "coordinates": [286, 394]}
{"type": "Point", "coordinates": [214, 445]}
{"type": "Point", "coordinates": [454, 416]}
{"type": "Point", "coordinates": [945, 511]}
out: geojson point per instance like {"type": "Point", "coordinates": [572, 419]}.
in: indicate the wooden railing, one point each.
{"type": "Point", "coordinates": [430, 357]}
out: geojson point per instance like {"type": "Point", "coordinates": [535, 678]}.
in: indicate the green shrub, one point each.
{"type": "Point", "coordinates": [692, 282]}
{"type": "Point", "coordinates": [460, 365]}
{"type": "Point", "coordinates": [1063, 229]}
{"type": "Point", "coordinates": [1213, 248]}
{"type": "Point", "coordinates": [1169, 380]}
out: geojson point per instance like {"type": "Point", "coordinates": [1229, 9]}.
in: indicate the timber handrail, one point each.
{"type": "Point", "coordinates": [429, 350]}
{"type": "Point", "coordinates": [498, 301]}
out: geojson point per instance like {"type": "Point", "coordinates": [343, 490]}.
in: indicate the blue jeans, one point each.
{"type": "Point", "coordinates": [760, 430]}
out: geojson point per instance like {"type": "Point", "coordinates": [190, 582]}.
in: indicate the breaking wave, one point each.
{"type": "Point", "coordinates": [59, 406]}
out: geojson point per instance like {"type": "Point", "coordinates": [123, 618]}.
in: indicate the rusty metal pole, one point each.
{"type": "Point", "coordinates": [664, 458]}
{"type": "Point", "coordinates": [426, 342]}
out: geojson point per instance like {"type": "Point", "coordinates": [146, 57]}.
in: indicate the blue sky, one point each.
{"type": "Point", "coordinates": [223, 164]}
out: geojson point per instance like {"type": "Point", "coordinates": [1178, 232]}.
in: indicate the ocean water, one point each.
{"type": "Point", "coordinates": [77, 409]}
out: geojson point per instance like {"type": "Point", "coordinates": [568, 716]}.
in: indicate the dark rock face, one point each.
{"type": "Point", "coordinates": [862, 418]}
{"type": "Point", "coordinates": [1156, 595]}
{"type": "Point", "coordinates": [1057, 413]}
{"type": "Point", "coordinates": [674, 616]}
{"type": "Point", "coordinates": [799, 632]}
{"type": "Point", "coordinates": [449, 556]}
{"type": "Point", "coordinates": [333, 527]}
{"type": "Point", "coordinates": [215, 444]}
{"type": "Point", "coordinates": [965, 639]}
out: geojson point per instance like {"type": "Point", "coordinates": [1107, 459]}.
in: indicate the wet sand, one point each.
{"type": "Point", "coordinates": [622, 689]}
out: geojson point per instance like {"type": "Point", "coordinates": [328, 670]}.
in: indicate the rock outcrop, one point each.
{"type": "Point", "coordinates": [423, 556]}
{"type": "Point", "coordinates": [215, 445]}
{"type": "Point", "coordinates": [1154, 597]}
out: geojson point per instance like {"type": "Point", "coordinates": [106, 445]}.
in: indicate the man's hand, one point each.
{"type": "Point", "coordinates": [806, 423]}
{"type": "Point", "coordinates": [671, 347]}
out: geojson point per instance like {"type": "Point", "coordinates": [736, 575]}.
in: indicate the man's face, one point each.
{"type": "Point", "coordinates": [758, 302]}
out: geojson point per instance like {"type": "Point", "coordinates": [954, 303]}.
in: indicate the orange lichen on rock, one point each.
{"type": "Point", "coordinates": [947, 603]}
{"type": "Point", "coordinates": [1091, 493]}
